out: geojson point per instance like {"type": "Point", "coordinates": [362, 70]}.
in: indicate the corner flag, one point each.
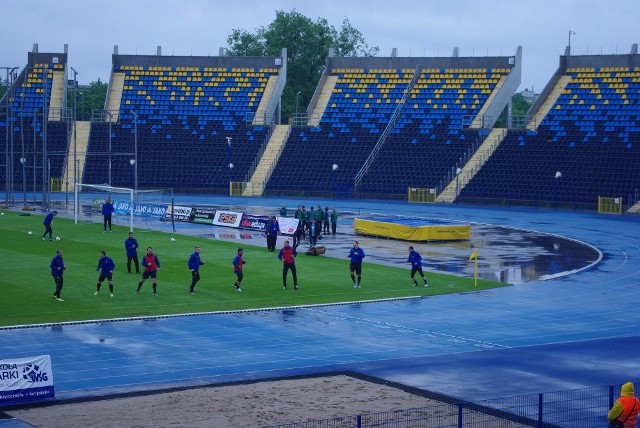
{"type": "Point", "coordinates": [474, 255]}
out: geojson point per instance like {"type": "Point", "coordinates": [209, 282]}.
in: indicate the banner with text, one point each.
{"type": "Point", "coordinates": [26, 379]}
{"type": "Point", "coordinates": [180, 213]}
{"type": "Point", "coordinates": [227, 218]}
{"type": "Point", "coordinates": [206, 215]}
{"type": "Point", "coordinates": [202, 215]}
{"type": "Point", "coordinates": [254, 222]}
{"type": "Point", "coordinates": [143, 210]}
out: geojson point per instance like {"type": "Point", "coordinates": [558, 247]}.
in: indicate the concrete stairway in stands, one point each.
{"type": "Point", "coordinates": [268, 161]}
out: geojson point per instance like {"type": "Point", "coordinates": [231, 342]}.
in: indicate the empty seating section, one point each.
{"type": "Point", "coordinates": [28, 142]}
{"type": "Point", "coordinates": [429, 137]}
{"type": "Point", "coordinates": [34, 93]}
{"type": "Point", "coordinates": [365, 99]}
{"type": "Point", "coordinates": [358, 111]}
{"type": "Point", "coordinates": [189, 163]}
{"type": "Point", "coordinates": [25, 122]}
{"type": "Point", "coordinates": [171, 95]}
{"type": "Point", "coordinates": [184, 117]}
{"type": "Point", "coordinates": [591, 135]}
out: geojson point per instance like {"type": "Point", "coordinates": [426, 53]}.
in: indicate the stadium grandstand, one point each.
{"type": "Point", "coordinates": [34, 125]}
{"type": "Point", "coordinates": [392, 123]}
{"type": "Point", "coordinates": [374, 128]}
{"type": "Point", "coordinates": [385, 128]}
{"type": "Point", "coordinates": [581, 140]}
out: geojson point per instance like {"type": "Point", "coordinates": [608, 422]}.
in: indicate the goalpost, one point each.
{"type": "Point", "coordinates": [90, 197]}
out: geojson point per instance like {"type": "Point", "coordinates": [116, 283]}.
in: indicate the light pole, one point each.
{"type": "Point", "coordinates": [110, 121]}
{"type": "Point", "coordinates": [334, 168]}
{"type": "Point", "coordinates": [81, 105]}
{"type": "Point", "coordinates": [35, 158]}
{"type": "Point", "coordinates": [295, 121]}
{"type": "Point", "coordinates": [75, 125]}
{"type": "Point", "coordinates": [556, 182]}
{"type": "Point", "coordinates": [229, 163]}
{"type": "Point", "coordinates": [134, 161]}
{"type": "Point", "coordinates": [570, 34]}
{"type": "Point", "coordinates": [8, 129]}
{"type": "Point", "coordinates": [23, 161]}
{"type": "Point", "coordinates": [458, 171]}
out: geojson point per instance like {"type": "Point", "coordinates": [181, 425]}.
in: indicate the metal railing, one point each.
{"type": "Point", "coordinates": [578, 408]}
{"type": "Point", "coordinates": [387, 130]}
{"type": "Point", "coordinates": [521, 121]}
{"type": "Point", "coordinates": [276, 159]}
{"type": "Point", "coordinates": [303, 119]}
{"type": "Point", "coordinates": [256, 161]}
{"type": "Point", "coordinates": [102, 115]}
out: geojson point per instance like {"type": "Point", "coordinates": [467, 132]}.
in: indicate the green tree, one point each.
{"type": "Point", "coordinates": [308, 43]}
{"type": "Point", "coordinates": [89, 98]}
{"type": "Point", "coordinates": [519, 106]}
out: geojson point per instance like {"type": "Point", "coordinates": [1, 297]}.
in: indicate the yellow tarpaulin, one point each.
{"type": "Point", "coordinates": [431, 232]}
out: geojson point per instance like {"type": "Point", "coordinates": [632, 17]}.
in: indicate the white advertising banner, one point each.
{"type": "Point", "coordinates": [227, 218]}
{"type": "Point", "coordinates": [288, 225]}
{"type": "Point", "coordinates": [180, 213]}
{"type": "Point", "coordinates": [26, 379]}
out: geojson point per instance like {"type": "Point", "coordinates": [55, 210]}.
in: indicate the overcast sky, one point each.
{"type": "Point", "coordinates": [415, 27]}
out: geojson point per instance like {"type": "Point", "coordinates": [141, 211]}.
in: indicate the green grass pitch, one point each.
{"type": "Point", "coordinates": [27, 286]}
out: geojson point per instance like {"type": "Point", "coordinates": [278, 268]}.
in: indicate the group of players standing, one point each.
{"type": "Point", "coordinates": [314, 223]}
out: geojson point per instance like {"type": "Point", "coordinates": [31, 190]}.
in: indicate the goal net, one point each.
{"type": "Point", "coordinates": [130, 205]}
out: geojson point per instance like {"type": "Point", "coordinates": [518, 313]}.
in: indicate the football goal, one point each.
{"type": "Point", "coordinates": [89, 198]}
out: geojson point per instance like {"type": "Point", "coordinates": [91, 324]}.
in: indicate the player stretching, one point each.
{"type": "Point", "coordinates": [416, 266]}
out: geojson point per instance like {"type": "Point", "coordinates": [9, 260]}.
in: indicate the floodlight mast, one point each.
{"type": "Point", "coordinates": [8, 157]}
{"type": "Point", "coordinates": [75, 126]}
{"type": "Point", "coordinates": [135, 150]}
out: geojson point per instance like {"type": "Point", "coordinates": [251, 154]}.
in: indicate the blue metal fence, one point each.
{"type": "Point", "coordinates": [578, 408]}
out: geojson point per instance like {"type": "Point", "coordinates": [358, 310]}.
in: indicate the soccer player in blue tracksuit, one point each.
{"type": "Point", "coordinates": [57, 270]}
{"type": "Point", "coordinates": [106, 266]}
{"type": "Point", "coordinates": [107, 212]}
{"type": "Point", "coordinates": [194, 266]}
{"type": "Point", "coordinates": [47, 225]}
{"type": "Point", "coordinates": [416, 266]}
{"type": "Point", "coordinates": [356, 254]}
{"type": "Point", "coordinates": [272, 229]}
{"type": "Point", "coordinates": [131, 245]}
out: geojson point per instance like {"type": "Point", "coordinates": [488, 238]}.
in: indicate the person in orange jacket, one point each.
{"type": "Point", "coordinates": [626, 408]}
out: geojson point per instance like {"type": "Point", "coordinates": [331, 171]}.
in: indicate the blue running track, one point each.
{"type": "Point", "coordinates": [558, 334]}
